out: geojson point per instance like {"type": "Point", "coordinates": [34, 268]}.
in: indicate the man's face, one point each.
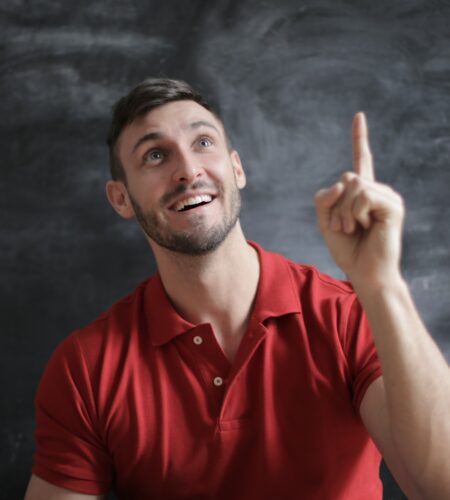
{"type": "Point", "coordinates": [182, 181]}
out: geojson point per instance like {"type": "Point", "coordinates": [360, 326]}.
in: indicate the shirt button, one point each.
{"type": "Point", "coordinates": [197, 340]}
{"type": "Point", "coordinates": [218, 381]}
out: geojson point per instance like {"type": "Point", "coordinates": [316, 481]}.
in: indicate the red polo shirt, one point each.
{"type": "Point", "coordinates": [145, 402]}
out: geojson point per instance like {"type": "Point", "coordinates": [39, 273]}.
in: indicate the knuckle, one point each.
{"type": "Point", "coordinates": [364, 196]}
{"type": "Point", "coordinates": [389, 190]}
{"type": "Point", "coordinates": [338, 211]}
{"type": "Point", "coordinates": [397, 212]}
{"type": "Point", "coordinates": [356, 182]}
{"type": "Point", "coordinates": [318, 200]}
{"type": "Point", "coordinates": [400, 204]}
{"type": "Point", "coordinates": [347, 177]}
{"type": "Point", "coordinates": [362, 155]}
{"type": "Point", "coordinates": [399, 199]}
{"type": "Point", "coordinates": [394, 195]}
{"type": "Point", "coordinates": [346, 207]}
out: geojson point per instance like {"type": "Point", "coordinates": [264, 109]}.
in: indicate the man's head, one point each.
{"type": "Point", "coordinates": [173, 168]}
{"type": "Point", "coordinates": [148, 95]}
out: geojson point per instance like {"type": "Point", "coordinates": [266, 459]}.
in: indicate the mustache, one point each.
{"type": "Point", "coordinates": [182, 188]}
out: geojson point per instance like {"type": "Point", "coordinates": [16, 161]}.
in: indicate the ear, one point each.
{"type": "Point", "coordinates": [117, 195]}
{"type": "Point", "coordinates": [239, 173]}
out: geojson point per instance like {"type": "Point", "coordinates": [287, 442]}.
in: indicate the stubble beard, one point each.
{"type": "Point", "coordinates": [199, 239]}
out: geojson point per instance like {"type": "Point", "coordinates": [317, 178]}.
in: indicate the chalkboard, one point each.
{"type": "Point", "coordinates": [287, 77]}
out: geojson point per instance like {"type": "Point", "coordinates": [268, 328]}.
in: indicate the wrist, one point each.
{"type": "Point", "coordinates": [392, 284]}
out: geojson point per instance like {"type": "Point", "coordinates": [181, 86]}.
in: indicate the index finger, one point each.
{"type": "Point", "coordinates": [362, 156]}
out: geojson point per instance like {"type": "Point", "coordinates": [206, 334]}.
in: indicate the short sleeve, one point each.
{"type": "Point", "coordinates": [70, 452]}
{"type": "Point", "coordinates": [360, 351]}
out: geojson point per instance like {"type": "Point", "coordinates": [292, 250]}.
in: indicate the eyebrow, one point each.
{"type": "Point", "coordinates": [203, 123]}
{"type": "Point", "coordinates": [153, 136]}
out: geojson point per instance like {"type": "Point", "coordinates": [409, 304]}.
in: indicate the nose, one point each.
{"type": "Point", "coordinates": [188, 167]}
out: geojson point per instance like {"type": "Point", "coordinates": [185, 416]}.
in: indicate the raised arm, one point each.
{"type": "Point", "coordinates": [408, 410]}
{"type": "Point", "coordinates": [38, 489]}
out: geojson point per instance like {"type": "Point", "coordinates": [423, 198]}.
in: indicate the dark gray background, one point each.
{"type": "Point", "coordinates": [287, 75]}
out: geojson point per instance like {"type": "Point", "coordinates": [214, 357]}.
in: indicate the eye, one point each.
{"type": "Point", "coordinates": [205, 142]}
{"type": "Point", "coordinates": [153, 155]}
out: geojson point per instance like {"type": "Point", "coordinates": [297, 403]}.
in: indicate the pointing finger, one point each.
{"type": "Point", "coordinates": [362, 156]}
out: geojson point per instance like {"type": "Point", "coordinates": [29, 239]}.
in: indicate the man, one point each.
{"type": "Point", "coordinates": [234, 373]}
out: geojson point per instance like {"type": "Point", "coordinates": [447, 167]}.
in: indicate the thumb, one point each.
{"type": "Point", "coordinates": [325, 200]}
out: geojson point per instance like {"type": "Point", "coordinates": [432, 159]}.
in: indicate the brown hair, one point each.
{"type": "Point", "coordinates": [146, 96]}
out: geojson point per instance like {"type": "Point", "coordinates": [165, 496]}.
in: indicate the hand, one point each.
{"type": "Point", "coordinates": [361, 220]}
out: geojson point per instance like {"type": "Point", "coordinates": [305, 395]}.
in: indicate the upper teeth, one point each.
{"type": "Point", "coordinates": [194, 200]}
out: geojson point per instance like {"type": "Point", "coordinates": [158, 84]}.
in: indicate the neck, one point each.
{"type": "Point", "coordinates": [217, 288]}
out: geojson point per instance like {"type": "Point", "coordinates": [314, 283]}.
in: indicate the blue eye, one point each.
{"type": "Point", "coordinates": [205, 142]}
{"type": "Point", "coordinates": [154, 155]}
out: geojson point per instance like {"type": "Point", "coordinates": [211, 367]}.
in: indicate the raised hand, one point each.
{"type": "Point", "coordinates": [361, 219]}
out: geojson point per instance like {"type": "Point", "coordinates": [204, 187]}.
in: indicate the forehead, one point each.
{"type": "Point", "coordinates": [172, 117]}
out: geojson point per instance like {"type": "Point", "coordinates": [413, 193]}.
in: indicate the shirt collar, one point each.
{"type": "Point", "coordinates": [276, 296]}
{"type": "Point", "coordinates": [163, 320]}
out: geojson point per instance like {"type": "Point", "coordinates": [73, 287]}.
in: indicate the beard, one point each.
{"type": "Point", "coordinates": [199, 239]}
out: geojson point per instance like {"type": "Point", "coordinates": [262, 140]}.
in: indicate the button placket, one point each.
{"type": "Point", "coordinates": [210, 363]}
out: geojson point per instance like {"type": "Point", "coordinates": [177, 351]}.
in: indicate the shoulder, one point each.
{"type": "Point", "coordinates": [104, 338]}
{"type": "Point", "coordinates": [315, 292]}
{"type": "Point", "coordinates": [307, 275]}
{"type": "Point", "coordinates": [308, 278]}
{"type": "Point", "coordinates": [325, 296]}
{"type": "Point", "coordinates": [274, 265]}
{"type": "Point", "coordinates": [121, 315]}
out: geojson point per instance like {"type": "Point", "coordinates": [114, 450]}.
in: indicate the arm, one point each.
{"type": "Point", "coordinates": [38, 489]}
{"type": "Point", "coordinates": [70, 450]}
{"type": "Point", "coordinates": [361, 221]}
{"type": "Point", "coordinates": [417, 387]}
{"type": "Point", "coordinates": [374, 414]}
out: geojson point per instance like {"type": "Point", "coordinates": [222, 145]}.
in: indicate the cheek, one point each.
{"type": "Point", "coordinates": [221, 168]}
{"type": "Point", "coordinates": [148, 189]}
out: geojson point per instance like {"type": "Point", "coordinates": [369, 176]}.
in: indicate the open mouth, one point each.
{"type": "Point", "coordinates": [192, 202]}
